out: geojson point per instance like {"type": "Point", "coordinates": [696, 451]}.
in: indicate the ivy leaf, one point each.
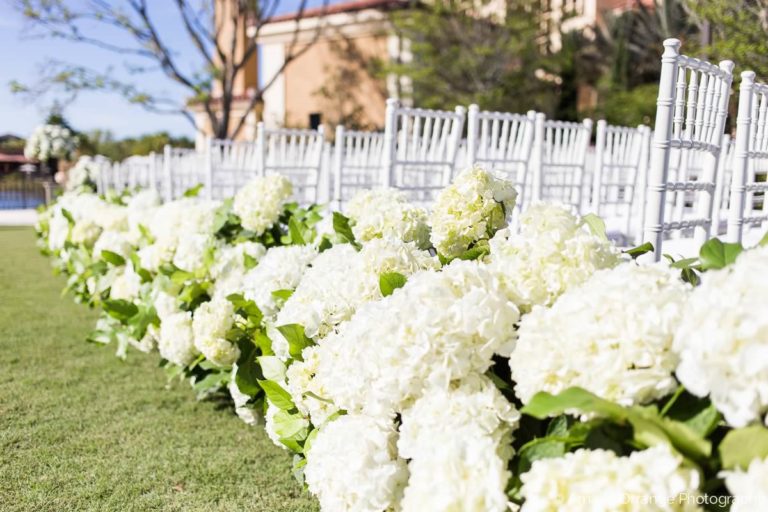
{"type": "Point", "coordinates": [638, 251]}
{"type": "Point", "coordinates": [112, 257]}
{"type": "Point", "coordinates": [595, 224]}
{"type": "Point", "coordinates": [714, 254]}
{"type": "Point", "coordinates": [742, 446]}
{"type": "Point", "coordinates": [193, 191]}
{"type": "Point", "coordinates": [277, 396]}
{"type": "Point", "coordinates": [391, 281]}
{"type": "Point", "coordinates": [297, 340]}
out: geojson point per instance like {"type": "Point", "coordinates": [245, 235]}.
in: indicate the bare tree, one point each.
{"type": "Point", "coordinates": [214, 36]}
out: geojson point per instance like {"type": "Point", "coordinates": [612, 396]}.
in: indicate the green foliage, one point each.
{"type": "Point", "coordinates": [342, 228]}
{"type": "Point", "coordinates": [741, 446]}
{"type": "Point", "coordinates": [715, 254]}
{"type": "Point", "coordinates": [636, 252]}
{"type": "Point", "coordinates": [101, 142]}
{"type": "Point", "coordinates": [595, 224]}
{"type": "Point", "coordinates": [193, 191]}
{"type": "Point", "coordinates": [297, 340]}
{"type": "Point", "coordinates": [391, 281]}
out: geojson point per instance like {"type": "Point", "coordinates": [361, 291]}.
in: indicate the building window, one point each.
{"type": "Point", "coordinates": [315, 118]}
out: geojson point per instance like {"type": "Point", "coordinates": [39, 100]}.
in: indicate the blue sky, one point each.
{"type": "Point", "coordinates": [23, 57]}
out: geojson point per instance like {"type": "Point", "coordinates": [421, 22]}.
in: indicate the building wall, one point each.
{"type": "Point", "coordinates": [337, 65]}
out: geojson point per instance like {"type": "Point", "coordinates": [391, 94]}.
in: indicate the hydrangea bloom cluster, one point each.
{"type": "Point", "coordinates": [472, 208]}
{"type": "Point", "coordinates": [353, 465]}
{"type": "Point", "coordinates": [176, 339]}
{"type": "Point", "coordinates": [230, 265]}
{"type": "Point", "coordinates": [612, 336]}
{"type": "Point", "coordinates": [50, 141]}
{"type": "Point", "coordinates": [341, 279]}
{"type": "Point", "coordinates": [281, 268]}
{"type": "Point", "coordinates": [440, 327]}
{"type": "Point", "coordinates": [385, 213]}
{"type": "Point", "coordinates": [84, 173]}
{"type": "Point", "coordinates": [653, 479]}
{"type": "Point", "coordinates": [552, 252]}
{"type": "Point", "coordinates": [260, 203]}
{"type": "Point", "coordinates": [723, 339]}
{"type": "Point", "coordinates": [210, 324]}
{"type": "Point", "coordinates": [749, 488]}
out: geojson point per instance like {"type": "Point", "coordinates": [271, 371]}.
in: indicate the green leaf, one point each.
{"type": "Point", "coordinates": [714, 254]}
{"type": "Point", "coordinates": [542, 448]}
{"type": "Point", "coordinates": [290, 426]}
{"type": "Point", "coordinates": [120, 309]}
{"type": "Point", "coordinates": [742, 446]}
{"type": "Point", "coordinates": [272, 368]}
{"type": "Point", "coordinates": [67, 215]}
{"type": "Point", "coordinates": [297, 340]}
{"type": "Point", "coordinates": [649, 427]}
{"type": "Point", "coordinates": [324, 245]}
{"type": "Point", "coordinates": [684, 263]}
{"type": "Point", "coordinates": [475, 252]}
{"type": "Point", "coordinates": [342, 228]}
{"type": "Point", "coordinates": [248, 370]}
{"type": "Point", "coordinates": [595, 224]}
{"type": "Point", "coordinates": [391, 281]}
{"type": "Point", "coordinates": [282, 295]}
{"type": "Point", "coordinates": [262, 341]}
{"type": "Point", "coordinates": [277, 396]}
{"type": "Point", "coordinates": [697, 413]}
{"type": "Point", "coordinates": [112, 257]}
{"type": "Point", "coordinates": [250, 261]}
{"type": "Point", "coordinates": [763, 241]}
{"type": "Point", "coordinates": [181, 276]}
{"type": "Point", "coordinates": [193, 191]}
{"type": "Point", "coordinates": [638, 251]}
{"type": "Point", "coordinates": [294, 229]}
{"type": "Point", "coordinates": [246, 308]}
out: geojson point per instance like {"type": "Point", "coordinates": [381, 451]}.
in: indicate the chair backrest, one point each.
{"type": "Point", "coordinates": [296, 154]}
{"type": "Point", "coordinates": [357, 161]}
{"type": "Point", "coordinates": [559, 160]}
{"type": "Point", "coordinates": [620, 161]}
{"type": "Point", "coordinates": [184, 168]}
{"type": "Point", "coordinates": [748, 205]}
{"type": "Point", "coordinates": [691, 110]}
{"type": "Point", "coordinates": [233, 164]}
{"type": "Point", "coordinates": [722, 187]}
{"type": "Point", "coordinates": [420, 148]}
{"type": "Point", "coordinates": [501, 142]}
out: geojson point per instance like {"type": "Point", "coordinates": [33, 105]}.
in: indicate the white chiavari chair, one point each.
{"type": "Point", "coordinates": [690, 117]}
{"type": "Point", "coordinates": [232, 165]}
{"type": "Point", "coordinates": [502, 142]}
{"type": "Point", "coordinates": [296, 154]}
{"type": "Point", "coordinates": [357, 161]}
{"type": "Point", "coordinates": [420, 148]}
{"type": "Point", "coordinates": [559, 160]}
{"type": "Point", "coordinates": [621, 158]}
{"type": "Point", "coordinates": [748, 205]}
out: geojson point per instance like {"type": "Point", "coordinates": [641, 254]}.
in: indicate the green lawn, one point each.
{"type": "Point", "coordinates": [82, 430]}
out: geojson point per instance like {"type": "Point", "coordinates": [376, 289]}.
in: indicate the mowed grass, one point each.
{"type": "Point", "coordinates": [82, 430]}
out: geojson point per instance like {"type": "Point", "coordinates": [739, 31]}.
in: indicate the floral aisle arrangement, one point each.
{"type": "Point", "coordinates": [85, 173]}
{"type": "Point", "coordinates": [442, 360]}
{"type": "Point", "coordinates": [50, 141]}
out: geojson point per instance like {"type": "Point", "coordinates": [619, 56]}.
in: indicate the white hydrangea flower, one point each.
{"type": "Point", "coordinates": [281, 268]}
{"type": "Point", "coordinates": [386, 213]}
{"type": "Point", "coordinates": [153, 256]}
{"type": "Point", "coordinates": [599, 480]}
{"type": "Point", "coordinates": [242, 409]}
{"type": "Point", "coordinates": [611, 336]}
{"type": "Point", "coordinates": [269, 425]}
{"type": "Point", "coordinates": [353, 466]}
{"type": "Point", "coordinates": [749, 488]}
{"type": "Point", "coordinates": [462, 473]}
{"type": "Point", "coordinates": [192, 250]}
{"type": "Point", "coordinates": [300, 381]}
{"type": "Point", "coordinates": [723, 339]}
{"type": "Point", "coordinates": [85, 233]}
{"type": "Point", "coordinates": [472, 208]}
{"type": "Point", "coordinates": [85, 172]}
{"type": "Point", "coordinates": [552, 253]}
{"type": "Point", "coordinates": [165, 304]}
{"type": "Point", "coordinates": [341, 279]}
{"type": "Point", "coordinates": [176, 220]}
{"type": "Point", "coordinates": [144, 200]}
{"type": "Point", "coordinates": [176, 340]}
{"type": "Point", "coordinates": [50, 141]}
{"type": "Point", "coordinates": [472, 408]}
{"type": "Point", "coordinates": [114, 241]}
{"type": "Point", "coordinates": [127, 284]}
{"type": "Point", "coordinates": [228, 269]}
{"type": "Point", "coordinates": [210, 324]}
{"type": "Point", "coordinates": [260, 202]}
{"type": "Point", "coordinates": [440, 327]}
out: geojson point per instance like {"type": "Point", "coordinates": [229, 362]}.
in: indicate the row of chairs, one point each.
{"type": "Point", "coordinates": [674, 186]}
